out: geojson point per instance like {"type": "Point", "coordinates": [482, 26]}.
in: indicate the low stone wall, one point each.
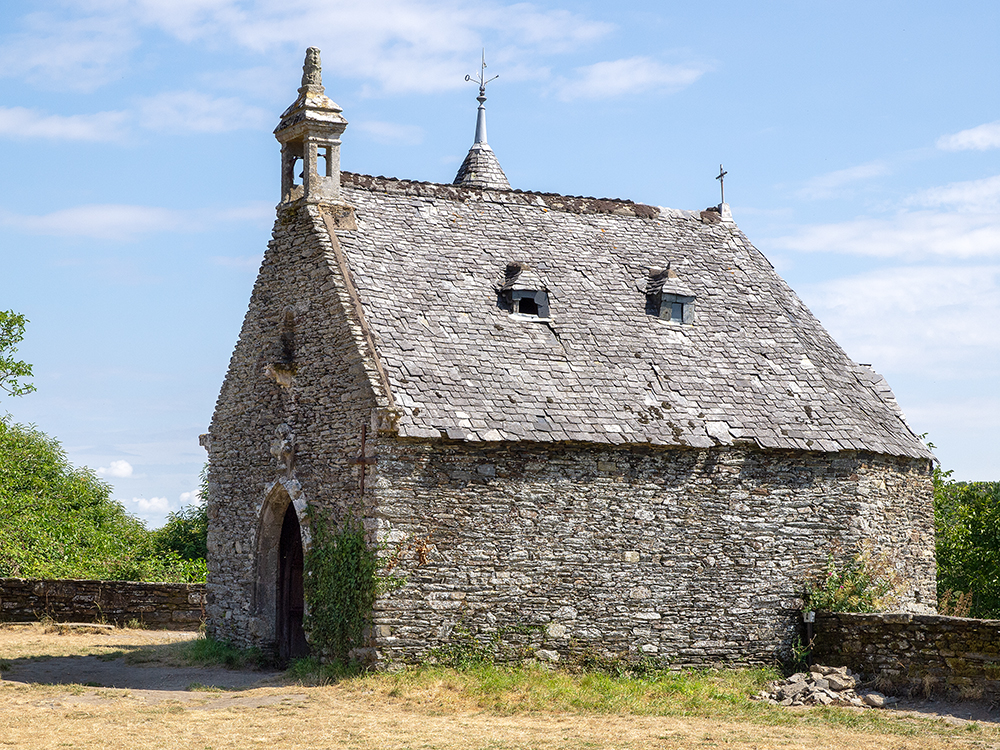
{"type": "Point", "coordinates": [172, 606]}
{"type": "Point", "coordinates": [914, 654]}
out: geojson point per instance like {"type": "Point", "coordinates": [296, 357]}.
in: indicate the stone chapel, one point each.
{"type": "Point", "coordinates": [609, 425]}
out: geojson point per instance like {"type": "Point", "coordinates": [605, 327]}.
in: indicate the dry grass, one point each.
{"type": "Point", "coordinates": [486, 709]}
{"type": "Point", "coordinates": [48, 640]}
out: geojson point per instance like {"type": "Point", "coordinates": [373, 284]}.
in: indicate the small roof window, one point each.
{"type": "Point", "coordinates": [524, 293]}
{"type": "Point", "coordinates": [667, 298]}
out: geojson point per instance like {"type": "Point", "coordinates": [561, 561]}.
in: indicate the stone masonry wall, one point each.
{"type": "Point", "coordinates": [914, 654]}
{"type": "Point", "coordinates": [288, 421]}
{"type": "Point", "coordinates": [695, 556]}
{"type": "Point", "coordinates": [172, 606]}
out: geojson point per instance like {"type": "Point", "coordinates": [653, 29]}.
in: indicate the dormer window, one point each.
{"type": "Point", "coordinates": [530, 302]}
{"type": "Point", "coordinates": [524, 293]}
{"type": "Point", "coordinates": [667, 298]}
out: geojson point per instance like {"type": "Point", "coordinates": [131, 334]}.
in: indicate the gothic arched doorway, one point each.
{"type": "Point", "coordinates": [291, 638]}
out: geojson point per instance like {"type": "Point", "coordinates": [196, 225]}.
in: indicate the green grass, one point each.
{"type": "Point", "coordinates": [205, 652]}
{"type": "Point", "coordinates": [534, 689]}
{"type": "Point", "coordinates": [529, 689]}
{"type": "Point", "coordinates": [310, 671]}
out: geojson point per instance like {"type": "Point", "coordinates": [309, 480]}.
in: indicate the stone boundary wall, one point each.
{"type": "Point", "coordinates": [914, 654]}
{"type": "Point", "coordinates": [170, 606]}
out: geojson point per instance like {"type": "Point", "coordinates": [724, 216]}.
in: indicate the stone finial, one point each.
{"type": "Point", "coordinates": [312, 69]}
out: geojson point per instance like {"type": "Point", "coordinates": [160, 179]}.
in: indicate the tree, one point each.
{"type": "Point", "coordinates": [59, 521]}
{"type": "Point", "coordinates": [967, 521]}
{"type": "Point", "coordinates": [12, 370]}
{"type": "Point", "coordinates": [186, 532]}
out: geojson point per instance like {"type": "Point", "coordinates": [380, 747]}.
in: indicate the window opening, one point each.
{"type": "Point", "coordinates": [524, 292]}
{"type": "Point", "coordinates": [527, 306]}
{"type": "Point", "coordinates": [323, 165]}
{"type": "Point", "coordinates": [677, 312]}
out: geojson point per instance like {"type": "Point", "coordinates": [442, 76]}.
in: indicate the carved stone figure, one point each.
{"type": "Point", "coordinates": [283, 450]}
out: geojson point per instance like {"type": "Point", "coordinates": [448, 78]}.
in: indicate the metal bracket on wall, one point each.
{"type": "Point", "coordinates": [363, 459]}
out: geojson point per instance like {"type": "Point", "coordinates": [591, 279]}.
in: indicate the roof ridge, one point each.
{"type": "Point", "coordinates": [554, 201]}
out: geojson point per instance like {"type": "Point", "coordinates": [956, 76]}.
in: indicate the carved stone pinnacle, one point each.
{"type": "Point", "coordinates": [312, 70]}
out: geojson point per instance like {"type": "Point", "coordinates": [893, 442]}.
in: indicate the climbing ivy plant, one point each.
{"type": "Point", "coordinates": [340, 585]}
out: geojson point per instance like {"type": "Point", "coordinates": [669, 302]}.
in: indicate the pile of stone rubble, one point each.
{"type": "Point", "coordinates": [823, 686]}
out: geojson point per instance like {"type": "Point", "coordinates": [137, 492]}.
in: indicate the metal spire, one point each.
{"type": "Point", "coordinates": [482, 80]}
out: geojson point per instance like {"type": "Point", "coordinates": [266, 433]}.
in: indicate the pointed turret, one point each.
{"type": "Point", "coordinates": [309, 132]}
{"type": "Point", "coordinates": [481, 168]}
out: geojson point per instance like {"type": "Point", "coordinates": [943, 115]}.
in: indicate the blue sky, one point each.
{"type": "Point", "coordinates": [140, 176]}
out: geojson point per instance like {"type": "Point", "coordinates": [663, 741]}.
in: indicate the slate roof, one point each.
{"type": "Point", "coordinates": [482, 169]}
{"type": "Point", "coordinates": [755, 366]}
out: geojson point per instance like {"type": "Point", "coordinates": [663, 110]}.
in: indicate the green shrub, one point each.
{"type": "Point", "coordinates": [866, 583]}
{"type": "Point", "coordinates": [185, 534]}
{"type": "Point", "coordinates": [58, 521]}
{"type": "Point", "coordinates": [967, 530]}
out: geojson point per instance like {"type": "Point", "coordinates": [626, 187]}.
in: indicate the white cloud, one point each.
{"type": "Point", "coordinates": [909, 234]}
{"type": "Point", "coordinates": [629, 76]}
{"type": "Point", "coordinates": [399, 45]}
{"type": "Point", "coordinates": [22, 123]}
{"type": "Point", "coordinates": [938, 321]}
{"type": "Point", "coordinates": [118, 469]}
{"type": "Point", "coordinates": [125, 222]}
{"type": "Point", "coordinates": [981, 196]}
{"type": "Point", "coordinates": [191, 111]}
{"type": "Point", "coordinates": [158, 505]}
{"type": "Point", "coordinates": [827, 185]}
{"type": "Point", "coordinates": [102, 221]}
{"type": "Point", "coordinates": [980, 138]}
{"type": "Point", "coordinates": [191, 498]}
{"type": "Point", "coordinates": [391, 133]}
{"type": "Point", "coordinates": [67, 50]}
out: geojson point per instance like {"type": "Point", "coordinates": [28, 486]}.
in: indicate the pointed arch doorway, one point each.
{"type": "Point", "coordinates": [290, 598]}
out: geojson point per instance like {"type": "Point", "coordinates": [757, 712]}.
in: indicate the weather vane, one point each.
{"type": "Point", "coordinates": [481, 79]}
{"type": "Point", "coordinates": [722, 182]}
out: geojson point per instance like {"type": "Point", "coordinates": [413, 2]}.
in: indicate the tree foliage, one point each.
{"type": "Point", "coordinates": [967, 526]}
{"type": "Point", "coordinates": [12, 370]}
{"type": "Point", "coordinates": [57, 521]}
{"type": "Point", "coordinates": [185, 533]}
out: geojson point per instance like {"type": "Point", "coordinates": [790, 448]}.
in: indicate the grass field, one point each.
{"type": "Point", "coordinates": [479, 708]}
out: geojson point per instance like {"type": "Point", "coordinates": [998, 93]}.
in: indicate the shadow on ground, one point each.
{"type": "Point", "coordinates": [130, 668]}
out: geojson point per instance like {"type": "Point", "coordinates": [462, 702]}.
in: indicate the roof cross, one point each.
{"type": "Point", "coordinates": [481, 79]}
{"type": "Point", "coordinates": [722, 182]}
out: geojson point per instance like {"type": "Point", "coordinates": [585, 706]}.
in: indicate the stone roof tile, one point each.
{"type": "Point", "coordinates": [429, 262]}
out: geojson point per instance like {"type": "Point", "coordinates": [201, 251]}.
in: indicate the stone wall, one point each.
{"type": "Point", "coordinates": [288, 423]}
{"type": "Point", "coordinates": [914, 654]}
{"type": "Point", "coordinates": [694, 556]}
{"type": "Point", "coordinates": [173, 606]}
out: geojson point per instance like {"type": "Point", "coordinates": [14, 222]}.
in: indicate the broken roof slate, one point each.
{"type": "Point", "coordinates": [429, 264]}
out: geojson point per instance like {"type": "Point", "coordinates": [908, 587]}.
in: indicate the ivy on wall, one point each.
{"type": "Point", "coordinates": [341, 584]}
